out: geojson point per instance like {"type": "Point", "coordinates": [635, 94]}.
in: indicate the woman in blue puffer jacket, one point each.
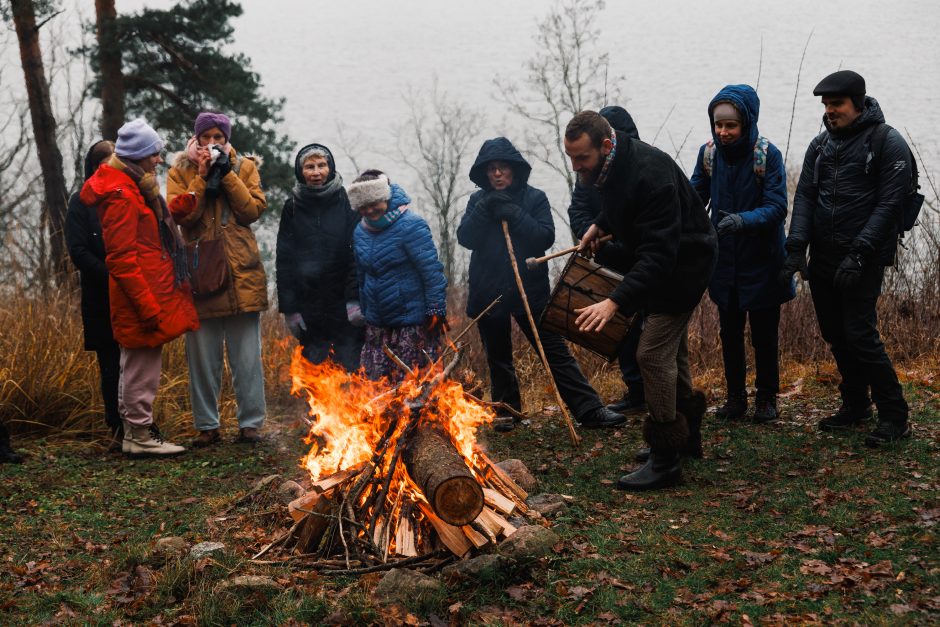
{"type": "Point", "coordinates": [742, 175]}
{"type": "Point", "coordinates": [402, 287]}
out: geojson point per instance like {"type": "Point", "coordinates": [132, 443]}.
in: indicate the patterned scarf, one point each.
{"type": "Point", "coordinates": [397, 205]}
{"type": "Point", "coordinates": [602, 177]}
{"type": "Point", "coordinates": [170, 237]}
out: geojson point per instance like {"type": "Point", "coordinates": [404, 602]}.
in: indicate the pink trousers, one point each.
{"type": "Point", "coordinates": [140, 379]}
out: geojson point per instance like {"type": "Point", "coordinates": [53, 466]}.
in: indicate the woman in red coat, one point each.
{"type": "Point", "coordinates": [150, 296]}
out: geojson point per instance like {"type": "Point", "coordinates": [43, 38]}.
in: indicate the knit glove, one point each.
{"type": "Point", "coordinates": [849, 273]}
{"type": "Point", "coordinates": [224, 163]}
{"type": "Point", "coordinates": [730, 223]}
{"type": "Point", "coordinates": [354, 314]}
{"type": "Point", "coordinates": [295, 324]}
{"type": "Point", "coordinates": [795, 262]}
{"type": "Point", "coordinates": [509, 212]}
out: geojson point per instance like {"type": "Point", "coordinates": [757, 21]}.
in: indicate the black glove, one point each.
{"type": "Point", "coordinates": [849, 272]}
{"type": "Point", "coordinates": [509, 212]}
{"type": "Point", "coordinates": [224, 163]}
{"type": "Point", "coordinates": [795, 262]}
{"type": "Point", "coordinates": [729, 223]}
{"type": "Point", "coordinates": [221, 167]}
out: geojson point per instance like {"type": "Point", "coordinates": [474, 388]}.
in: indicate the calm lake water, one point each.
{"type": "Point", "coordinates": [351, 61]}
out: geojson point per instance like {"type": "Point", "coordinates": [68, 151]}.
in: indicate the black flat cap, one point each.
{"type": "Point", "coordinates": [841, 83]}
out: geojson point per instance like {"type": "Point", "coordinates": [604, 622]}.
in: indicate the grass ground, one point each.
{"type": "Point", "coordinates": [778, 524]}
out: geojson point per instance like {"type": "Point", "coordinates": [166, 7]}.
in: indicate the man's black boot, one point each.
{"type": "Point", "coordinates": [504, 423]}
{"type": "Point", "coordinates": [765, 408]}
{"type": "Point", "coordinates": [633, 401]}
{"type": "Point", "coordinates": [734, 408]}
{"type": "Point", "coordinates": [847, 417]}
{"type": "Point", "coordinates": [887, 432]}
{"type": "Point", "coordinates": [693, 408]}
{"type": "Point", "coordinates": [7, 454]}
{"type": "Point", "coordinates": [663, 468]}
{"type": "Point", "coordinates": [600, 418]}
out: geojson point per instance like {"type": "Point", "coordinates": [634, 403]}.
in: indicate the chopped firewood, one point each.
{"type": "Point", "coordinates": [443, 476]}
{"type": "Point", "coordinates": [451, 537]}
{"type": "Point", "coordinates": [306, 503]}
{"type": "Point", "coordinates": [405, 539]}
{"type": "Point", "coordinates": [312, 528]}
{"type": "Point", "coordinates": [499, 502]}
{"type": "Point", "coordinates": [328, 483]}
{"type": "Point", "coordinates": [478, 539]}
{"type": "Point", "coordinates": [506, 480]}
{"type": "Point", "coordinates": [491, 519]}
{"type": "Point", "coordinates": [378, 531]}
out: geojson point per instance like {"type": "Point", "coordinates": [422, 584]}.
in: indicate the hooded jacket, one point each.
{"type": "Point", "coordinates": [142, 280]}
{"type": "Point", "coordinates": [586, 199]}
{"type": "Point", "coordinates": [229, 216]}
{"type": "Point", "coordinates": [86, 248]}
{"type": "Point", "coordinates": [532, 234]}
{"type": "Point", "coordinates": [749, 260]}
{"type": "Point", "coordinates": [316, 269]}
{"type": "Point", "coordinates": [849, 207]}
{"type": "Point", "coordinates": [670, 246]}
{"type": "Point", "coordinates": [401, 280]}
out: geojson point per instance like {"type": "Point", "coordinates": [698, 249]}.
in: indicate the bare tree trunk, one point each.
{"type": "Point", "coordinates": [44, 130]}
{"type": "Point", "coordinates": [109, 69]}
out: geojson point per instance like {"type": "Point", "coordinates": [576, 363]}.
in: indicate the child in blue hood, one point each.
{"type": "Point", "coordinates": [402, 287]}
{"type": "Point", "coordinates": [742, 175]}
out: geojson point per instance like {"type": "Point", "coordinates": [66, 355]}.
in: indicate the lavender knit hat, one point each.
{"type": "Point", "coordinates": [136, 140]}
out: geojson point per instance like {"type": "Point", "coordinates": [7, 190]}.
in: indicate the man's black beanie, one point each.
{"type": "Point", "coordinates": [843, 83]}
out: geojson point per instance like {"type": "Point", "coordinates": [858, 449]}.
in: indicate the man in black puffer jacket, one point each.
{"type": "Point", "coordinates": [847, 210]}
{"type": "Point", "coordinates": [502, 174]}
{"type": "Point", "coordinates": [583, 211]}
{"type": "Point", "coordinates": [669, 252]}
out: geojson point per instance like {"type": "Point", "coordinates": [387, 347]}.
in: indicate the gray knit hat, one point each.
{"type": "Point", "coordinates": [136, 140]}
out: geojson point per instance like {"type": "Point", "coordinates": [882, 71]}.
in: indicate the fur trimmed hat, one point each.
{"type": "Point", "coordinates": [364, 193]}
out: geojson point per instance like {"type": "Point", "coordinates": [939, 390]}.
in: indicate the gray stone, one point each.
{"type": "Point", "coordinates": [405, 586]}
{"type": "Point", "coordinates": [243, 584]}
{"type": "Point", "coordinates": [204, 549]}
{"type": "Point", "coordinates": [528, 544]}
{"type": "Point", "coordinates": [549, 505]}
{"type": "Point", "coordinates": [289, 490]}
{"type": "Point", "coordinates": [519, 473]}
{"type": "Point", "coordinates": [171, 545]}
{"type": "Point", "coordinates": [482, 567]}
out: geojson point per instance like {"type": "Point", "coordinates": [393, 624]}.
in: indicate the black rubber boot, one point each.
{"type": "Point", "coordinates": [734, 408]}
{"type": "Point", "coordinates": [663, 469]}
{"type": "Point", "coordinates": [7, 454]}
{"type": "Point", "coordinates": [633, 401]}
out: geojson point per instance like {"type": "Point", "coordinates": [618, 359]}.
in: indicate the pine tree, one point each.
{"type": "Point", "coordinates": [175, 63]}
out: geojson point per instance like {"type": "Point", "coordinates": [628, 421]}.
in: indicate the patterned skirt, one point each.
{"type": "Point", "coordinates": [414, 345]}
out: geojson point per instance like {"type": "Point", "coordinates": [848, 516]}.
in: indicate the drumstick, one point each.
{"type": "Point", "coordinates": [533, 262]}
{"type": "Point", "coordinates": [575, 438]}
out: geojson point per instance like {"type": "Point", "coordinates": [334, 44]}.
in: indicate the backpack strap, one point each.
{"type": "Point", "coordinates": [708, 157]}
{"type": "Point", "coordinates": [876, 148]}
{"type": "Point", "coordinates": [821, 140]}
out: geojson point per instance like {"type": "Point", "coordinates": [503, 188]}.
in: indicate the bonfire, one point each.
{"type": "Point", "coordinates": [397, 475]}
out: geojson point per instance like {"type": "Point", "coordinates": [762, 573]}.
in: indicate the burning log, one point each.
{"type": "Point", "coordinates": [436, 467]}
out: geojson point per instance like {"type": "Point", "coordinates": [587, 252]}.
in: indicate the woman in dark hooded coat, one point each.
{"type": "Point", "coordinates": [86, 248]}
{"type": "Point", "coordinates": [317, 287]}
{"type": "Point", "coordinates": [502, 174]}
{"type": "Point", "coordinates": [742, 175]}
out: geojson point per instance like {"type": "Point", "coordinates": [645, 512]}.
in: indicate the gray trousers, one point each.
{"type": "Point", "coordinates": [240, 337]}
{"type": "Point", "coordinates": [138, 384]}
{"type": "Point", "coordinates": [663, 357]}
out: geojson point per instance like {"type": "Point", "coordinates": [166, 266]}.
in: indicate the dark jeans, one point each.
{"type": "Point", "coordinates": [496, 333]}
{"type": "Point", "coordinates": [627, 358]}
{"type": "Point", "coordinates": [765, 323]}
{"type": "Point", "coordinates": [109, 366]}
{"type": "Point", "coordinates": [849, 323]}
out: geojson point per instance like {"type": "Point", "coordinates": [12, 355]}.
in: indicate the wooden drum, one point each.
{"type": "Point", "coordinates": [584, 283]}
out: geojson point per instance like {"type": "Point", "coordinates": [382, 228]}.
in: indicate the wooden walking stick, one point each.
{"type": "Point", "coordinates": [575, 438]}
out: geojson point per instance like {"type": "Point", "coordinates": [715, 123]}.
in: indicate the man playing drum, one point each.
{"type": "Point", "coordinates": [670, 249]}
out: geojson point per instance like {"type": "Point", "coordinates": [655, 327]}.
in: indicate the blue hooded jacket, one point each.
{"type": "Point", "coordinates": [749, 260]}
{"type": "Point", "coordinates": [401, 280]}
{"type": "Point", "coordinates": [532, 234]}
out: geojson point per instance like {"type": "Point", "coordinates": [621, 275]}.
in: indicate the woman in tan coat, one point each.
{"type": "Point", "coordinates": [229, 282]}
